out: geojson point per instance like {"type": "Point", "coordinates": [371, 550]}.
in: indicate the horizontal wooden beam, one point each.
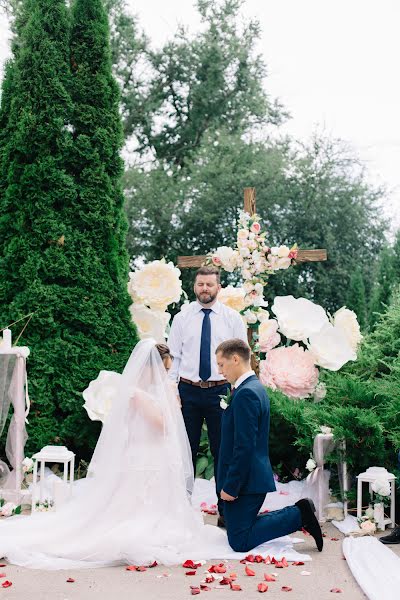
{"type": "Point", "coordinates": [193, 262]}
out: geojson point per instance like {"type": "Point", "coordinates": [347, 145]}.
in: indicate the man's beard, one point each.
{"type": "Point", "coordinates": [206, 297]}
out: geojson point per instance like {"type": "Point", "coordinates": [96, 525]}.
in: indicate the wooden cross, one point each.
{"type": "Point", "coordinates": [187, 262]}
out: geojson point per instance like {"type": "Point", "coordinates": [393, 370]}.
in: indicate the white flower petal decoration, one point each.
{"type": "Point", "coordinates": [232, 297]}
{"type": "Point", "coordinates": [346, 320]}
{"type": "Point", "coordinates": [298, 318]}
{"type": "Point", "coordinates": [150, 323]}
{"type": "Point", "coordinates": [100, 395]}
{"type": "Point", "coordinates": [156, 284]}
{"type": "Point", "coordinates": [330, 348]}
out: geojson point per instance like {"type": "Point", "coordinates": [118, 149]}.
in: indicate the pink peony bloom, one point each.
{"type": "Point", "coordinates": [290, 370]}
{"type": "Point", "coordinates": [255, 228]}
{"type": "Point", "coordinates": [269, 336]}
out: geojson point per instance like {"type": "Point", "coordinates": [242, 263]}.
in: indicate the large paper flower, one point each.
{"type": "Point", "coordinates": [330, 348]}
{"type": "Point", "coordinates": [291, 370]}
{"type": "Point", "coordinates": [100, 395]}
{"type": "Point", "coordinates": [226, 258]}
{"type": "Point", "coordinates": [346, 320]}
{"type": "Point", "coordinates": [232, 297]}
{"type": "Point", "coordinates": [298, 318]}
{"type": "Point", "coordinates": [150, 323]}
{"type": "Point", "coordinates": [269, 336]}
{"type": "Point", "coordinates": [156, 284]}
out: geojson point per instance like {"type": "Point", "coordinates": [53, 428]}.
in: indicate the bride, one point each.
{"type": "Point", "coordinates": [134, 505]}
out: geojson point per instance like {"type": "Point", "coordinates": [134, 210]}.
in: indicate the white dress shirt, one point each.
{"type": "Point", "coordinates": [185, 338]}
{"type": "Point", "coordinates": [243, 378]}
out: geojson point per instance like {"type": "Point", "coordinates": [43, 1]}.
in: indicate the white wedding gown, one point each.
{"type": "Point", "coordinates": [134, 507]}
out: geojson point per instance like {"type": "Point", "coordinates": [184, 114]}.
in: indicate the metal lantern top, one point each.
{"type": "Point", "coordinates": [374, 473]}
{"type": "Point", "coordinates": [54, 454]}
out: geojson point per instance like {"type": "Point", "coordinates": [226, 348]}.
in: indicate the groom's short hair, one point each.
{"type": "Point", "coordinates": [234, 346]}
{"type": "Point", "coordinates": [208, 271]}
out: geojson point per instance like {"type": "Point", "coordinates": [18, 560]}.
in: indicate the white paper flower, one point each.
{"type": "Point", "coordinates": [298, 318]}
{"type": "Point", "coordinates": [311, 464]}
{"type": "Point", "coordinates": [325, 429]}
{"type": "Point", "coordinates": [27, 465]}
{"type": "Point", "coordinates": [157, 285]}
{"type": "Point", "coordinates": [381, 487]}
{"type": "Point", "coordinates": [100, 395]}
{"type": "Point", "coordinates": [330, 348]}
{"type": "Point", "coordinates": [150, 323]}
{"type": "Point", "coordinates": [346, 320]}
{"type": "Point", "coordinates": [7, 509]}
{"type": "Point", "coordinates": [232, 297]}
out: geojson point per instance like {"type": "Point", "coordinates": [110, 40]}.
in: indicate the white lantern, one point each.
{"type": "Point", "coordinates": [371, 476]}
{"type": "Point", "coordinates": [54, 454]}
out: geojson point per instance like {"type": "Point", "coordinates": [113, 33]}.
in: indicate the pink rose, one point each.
{"type": "Point", "coordinates": [290, 370]}
{"type": "Point", "coordinates": [255, 228]}
{"type": "Point", "coordinates": [216, 260]}
{"type": "Point", "coordinates": [269, 336]}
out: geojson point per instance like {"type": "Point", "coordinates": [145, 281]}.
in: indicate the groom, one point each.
{"type": "Point", "coordinates": [244, 470]}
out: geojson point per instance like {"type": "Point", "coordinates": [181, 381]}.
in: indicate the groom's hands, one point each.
{"type": "Point", "coordinates": [227, 497]}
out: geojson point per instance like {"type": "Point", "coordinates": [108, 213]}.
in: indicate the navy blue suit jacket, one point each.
{"type": "Point", "coordinates": [243, 465]}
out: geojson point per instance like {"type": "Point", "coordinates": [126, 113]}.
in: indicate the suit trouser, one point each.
{"type": "Point", "coordinates": [247, 529]}
{"type": "Point", "coordinates": [199, 404]}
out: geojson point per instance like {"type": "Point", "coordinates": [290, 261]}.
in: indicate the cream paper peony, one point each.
{"type": "Point", "coordinates": [232, 297]}
{"type": "Point", "coordinates": [100, 395]}
{"type": "Point", "coordinates": [330, 348]}
{"type": "Point", "coordinates": [156, 285]}
{"type": "Point", "coordinates": [346, 320]}
{"type": "Point", "coordinates": [291, 370]}
{"type": "Point", "coordinates": [150, 323]}
{"type": "Point", "coordinates": [298, 318]}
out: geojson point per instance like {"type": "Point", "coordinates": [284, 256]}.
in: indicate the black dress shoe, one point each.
{"type": "Point", "coordinates": [221, 522]}
{"type": "Point", "coordinates": [392, 538]}
{"type": "Point", "coordinates": [310, 522]}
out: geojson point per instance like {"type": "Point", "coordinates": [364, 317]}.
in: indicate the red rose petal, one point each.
{"type": "Point", "coordinates": [194, 590]}
{"type": "Point", "coordinates": [305, 531]}
{"type": "Point", "coordinates": [130, 568]}
{"type": "Point", "coordinates": [264, 512]}
{"type": "Point", "coordinates": [250, 558]}
{"type": "Point", "coordinates": [334, 539]}
{"type": "Point", "coordinates": [268, 577]}
{"type": "Point", "coordinates": [2, 566]}
{"type": "Point", "coordinates": [205, 588]}
{"type": "Point", "coordinates": [141, 569]}
{"type": "Point", "coordinates": [210, 579]}
{"type": "Point", "coordinates": [336, 591]}
{"type": "Point", "coordinates": [221, 568]}
{"type": "Point", "coordinates": [235, 587]}
{"type": "Point", "coordinates": [285, 562]}
{"type": "Point", "coordinates": [249, 572]}
{"type": "Point", "coordinates": [286, 588]}
{"type": "Point", "coordinates": [233, 576]}
{"type": "Point", "coordinates": [297, 563]}
{"type": "Point", "coordinates": [6, 584]}
{"type": "Point", "coordinates": [69, 580]}
{"type": "Point", "coordinates": [189, 564]}
{"type": "Point", "coordinates": [225, 581]}
{"type": "Point", "coordinates": [154, 564]}
{"type": "Point", "coordinates": [258, 558]}
{"type": "Point", "coordinates": [262, 587]}
{"type": "Point", "coordinates": [267, 560]}
{"type": "Point", "coordinates": [279, 565]}
{"type": "Point", "coordinates": [2, 575]}
{"type": "Point", "coordinates": [190, 573]}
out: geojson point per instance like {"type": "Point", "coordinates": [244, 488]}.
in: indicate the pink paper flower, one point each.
{"type": "Point", "coordinates": [290, 370]}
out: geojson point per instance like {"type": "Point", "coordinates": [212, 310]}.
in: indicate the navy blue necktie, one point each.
{"type": "Point", "coordinates": [205, 346]}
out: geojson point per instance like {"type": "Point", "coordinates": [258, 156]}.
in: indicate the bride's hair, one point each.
{"type": "Point", "coordinates": [164, 351]}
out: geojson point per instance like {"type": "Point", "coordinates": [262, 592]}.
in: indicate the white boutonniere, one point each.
{"type": "Point", "coordinates": [225, 400]}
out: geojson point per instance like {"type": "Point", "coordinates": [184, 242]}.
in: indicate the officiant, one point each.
{"type": "Point", "coordinates": [196, 332]}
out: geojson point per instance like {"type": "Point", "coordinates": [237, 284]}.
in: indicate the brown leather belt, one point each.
{"type": "Point", "coordinates": [204, 384]}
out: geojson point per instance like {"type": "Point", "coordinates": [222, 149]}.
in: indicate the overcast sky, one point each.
{"type": "Point", "coordinates": [333, 63]}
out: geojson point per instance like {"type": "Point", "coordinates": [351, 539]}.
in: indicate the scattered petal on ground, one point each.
{"type": "Point", "coordinates": [249, 572]}
{"type": "Point", "coordinates": [262, 587]}
{"type": "Point", "coordinates": [336, 591]}
{"type": "Point", "coordinates": [70, 580]}
{"type": "Point", "coordinates": [297, 563]}
{"type": "Point", "coordinates": [268, 577]}
{"type": "Point", "coordinates": [286, 588]}
{"type": "Point", "coordinates": [235, 587]}
{"type": "Point", "coordinates": [6, 584]}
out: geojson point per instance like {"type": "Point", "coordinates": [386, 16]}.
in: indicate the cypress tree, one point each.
{"type": "Point", "coordinates": [356, 297]}
{"type": "Point", "coordinates": [61, 238]}
{"type": "Point", "coordinates": [384, 283]}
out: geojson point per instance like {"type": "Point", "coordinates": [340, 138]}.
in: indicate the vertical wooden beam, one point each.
{"type": "Point", "coordinates": [250, 200]}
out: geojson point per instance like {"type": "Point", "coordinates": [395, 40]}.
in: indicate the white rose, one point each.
{"type": "Point", "coordinates": [100, 395]}
{"type": "Point", "coordinates": [368, 527]}
{"type": "Point", "coordinates": [232, 297]}
{"type": "Point", "coordinates": [325, 430]}
{"type": "Point", "coordinates": [150, 323]}
{"type": "Point", "coordinates": [223, 405]}
{"type": "Point", "coordinates": [283, 251]}
{"type": "Point", "coordinates": [283, 263]}
{"type": "Point", "coordinates": [330, 348]}
{"type": "Point", "coordinates": [252, 236]}
{"type": "Point", "coordinates": [275, 251]}
{"type": "Point", "coordinates": [27, 465]}
{"type": "Point", "coordinates": [298, 318]}
{"type": "Point", "coordinates": [250, 316]}
{"type": "Point", "coordinates": [263, 315]}
{"type": "Point", "coordinates": [244, 252]}
{"type": "Point", "coordinates": [243, 234]}
{"type": "Point", "coordinates": [246, 274]}
{"type": "Point", "coordinates": [346, 320]}
{"type": "Point", "coordinates": [381, 487]}
{"type": "Point", "coordinates": [311, 464]}
{"type": "Point", "coordinates": [7, 509]}
{"type": "Point", "coordinates": [156, 284]}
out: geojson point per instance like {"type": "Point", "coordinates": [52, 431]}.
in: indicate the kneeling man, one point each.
{"type": "Point", "coordinates": [244, 470]}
